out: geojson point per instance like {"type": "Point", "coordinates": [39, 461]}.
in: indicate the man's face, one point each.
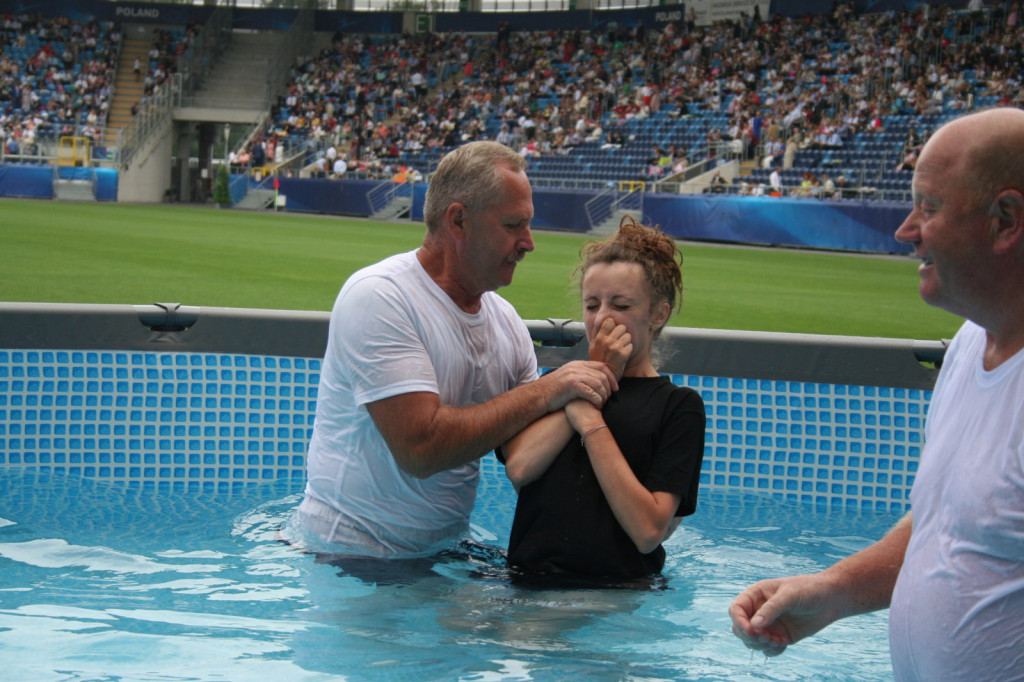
{"type": "Point", "coordinates": [497, 238]}
{"type": "Point", "coordinates": [948, 227]}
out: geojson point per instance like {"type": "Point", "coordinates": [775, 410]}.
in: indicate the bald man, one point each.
{"type": "Point", "coordinates": [952, 571]}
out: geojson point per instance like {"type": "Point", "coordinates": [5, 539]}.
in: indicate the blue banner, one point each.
{"type": "Point", "coordinates": [26, 180]}
{"type": "Point", "coordinates": [850, 225]}
{"type": "Point", "coordinates": [36, 182]}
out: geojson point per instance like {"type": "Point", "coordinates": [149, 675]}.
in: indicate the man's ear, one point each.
{"type": "Point", "coordinates": [456, 214]}
{"type": "Point", "coordinates": [1006, 216]}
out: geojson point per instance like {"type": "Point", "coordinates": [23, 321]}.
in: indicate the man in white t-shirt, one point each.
{"type": "Point", "coordinates": [952, 571]}
{"type": "Point", "coordinates": [427, 370]}
{"type": "Point", "coordinates": [340, 167]}
{"type": "Point", "coordinates": [419, 84]}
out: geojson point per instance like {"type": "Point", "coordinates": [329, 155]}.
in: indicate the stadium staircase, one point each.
{"type": "Point", "coordinates": [390, 201]}
{"type": "Point", "coordinates": [236, 86]}
{"type": "Point", "coordinates": [257, 200]}
{"type": "Point", "coordinates": [606, 210]}
{"type": "Point", "coordinates": [610, 224]}
{"type": "Point", "coordinates": [128, 88]}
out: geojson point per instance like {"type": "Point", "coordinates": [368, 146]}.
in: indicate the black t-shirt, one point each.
{"type": "Point", "coordinates": [563, 523]}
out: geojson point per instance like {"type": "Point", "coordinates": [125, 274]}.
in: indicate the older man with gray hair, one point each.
{"type": "Point", "coordinates": [427, 370]}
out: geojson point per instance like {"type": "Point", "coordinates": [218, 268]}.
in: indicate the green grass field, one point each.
{"type": "Point", "coordinates": [110, 253]}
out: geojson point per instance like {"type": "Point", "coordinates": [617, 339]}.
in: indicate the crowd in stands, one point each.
{"type": "Point", "coordinates": [777, 87]}
{"type": "Point", "coordinates": [779, 90]}
{"type": "Point", "coordinates": [57, 76]}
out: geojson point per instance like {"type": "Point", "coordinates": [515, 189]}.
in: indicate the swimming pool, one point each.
{"type": "Point", "coordinates": [145, 469]}
{"type": "Point", "coordinates": [106, 581]}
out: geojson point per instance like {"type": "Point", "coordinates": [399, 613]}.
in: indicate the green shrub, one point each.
{"type": "Point", "coordinates": [222, 185]}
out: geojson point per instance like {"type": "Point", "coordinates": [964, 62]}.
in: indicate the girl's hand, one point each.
{"type": "Point", "coordinates": [612, 345]}
{"type": "Point", "coordinates": [583, 415]}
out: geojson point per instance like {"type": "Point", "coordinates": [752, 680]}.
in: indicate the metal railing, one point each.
{"type": "Point", "coordinates": [153, 113]}
{"type": "Point", "coordinates": [201, 57]}
{"type": "Point", "coordinates": [601, 207]}
{"type": "Point", "coordinates": [386, 193]}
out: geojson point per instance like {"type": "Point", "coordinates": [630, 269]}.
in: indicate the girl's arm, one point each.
{"type": "Point", "coordinates": [529, 453]}
{"type": "Point", "coordinates": [647, 517]}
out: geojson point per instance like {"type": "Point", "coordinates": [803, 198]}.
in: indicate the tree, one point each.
{"type": "Point", "coordinates": [221, 186]}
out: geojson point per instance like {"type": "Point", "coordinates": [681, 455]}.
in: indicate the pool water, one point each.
{"type": "Point", "coordinates": [99, 581]}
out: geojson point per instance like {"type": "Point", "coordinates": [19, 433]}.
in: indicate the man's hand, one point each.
{"type": "Point", "coordinates": [585, 379]}
{"type": "Point", "coordinates": [772, 614]}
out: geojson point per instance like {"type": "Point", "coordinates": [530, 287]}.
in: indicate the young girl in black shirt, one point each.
{"type": "Point", "coordinates": [601, 489]}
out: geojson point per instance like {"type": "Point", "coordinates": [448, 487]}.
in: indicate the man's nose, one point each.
{"type": "Point", "coordinates": [907, 232]}
{"type": "Point", "coordinates": [527, 241]}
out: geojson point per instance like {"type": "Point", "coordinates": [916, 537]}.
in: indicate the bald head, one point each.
{"type": "Point", "coordinates": [984, 149]}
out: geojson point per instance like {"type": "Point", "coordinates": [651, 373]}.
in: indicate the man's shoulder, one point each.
{"type": "Point", "coordinates": [393, 270]}
{"type": "Point", "coordinates": [396, 265]}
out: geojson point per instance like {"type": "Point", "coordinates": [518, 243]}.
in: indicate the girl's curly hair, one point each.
{"type": "Point", "coordinates": [648, 246]}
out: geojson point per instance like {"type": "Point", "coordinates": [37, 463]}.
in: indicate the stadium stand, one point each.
{"type": "Point", "coordinates": [856, 93]}
{"type": "Point", "coordinates": [844, 95]}
{"type": "Point", "coordinates": [60, 77]}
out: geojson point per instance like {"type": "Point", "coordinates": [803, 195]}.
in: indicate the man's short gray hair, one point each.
{"type": "Point", "coordinates": [469, 176]}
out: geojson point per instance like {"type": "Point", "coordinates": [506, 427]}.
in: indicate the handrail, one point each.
{"type": "Point", "coordinates": [599, 208]}
{"type": "Point", "coordinates": [631, 197]}
{"type": "Point", "coordinates": [152, 114]}
{"type": "Point", "coordinates": [381, 196]}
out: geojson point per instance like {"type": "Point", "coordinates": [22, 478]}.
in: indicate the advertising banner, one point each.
{"type": "Point", "coordinates": [707, 12]}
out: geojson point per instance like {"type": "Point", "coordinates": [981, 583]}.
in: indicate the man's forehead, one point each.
{"type": "Point", "coordinates": [924, 177]}
{"type": "Point", "coordinates": [940, 157]}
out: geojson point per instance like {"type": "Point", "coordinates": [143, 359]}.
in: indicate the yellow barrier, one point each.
{"type": "Point", "coordinates": [73, 151]}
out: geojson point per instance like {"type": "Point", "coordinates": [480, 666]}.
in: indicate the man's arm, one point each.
{"type": "Point", "coordinates": [426, 437]}
{"type": "Point", "coordinates": [772, 614]}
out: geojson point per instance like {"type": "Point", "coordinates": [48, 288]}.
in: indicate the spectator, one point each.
{"type": "Point", "coordinates": [828, 187]}
{"type": "Point", "coordinates": [340, 168]}
{"type": "Point", "coordinates": [718, 184]}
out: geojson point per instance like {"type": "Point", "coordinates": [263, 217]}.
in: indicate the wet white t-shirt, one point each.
{"type": "Point", "coordinates": [393, 330]}
{"type": "Point", "coordinates": [958, 608]}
